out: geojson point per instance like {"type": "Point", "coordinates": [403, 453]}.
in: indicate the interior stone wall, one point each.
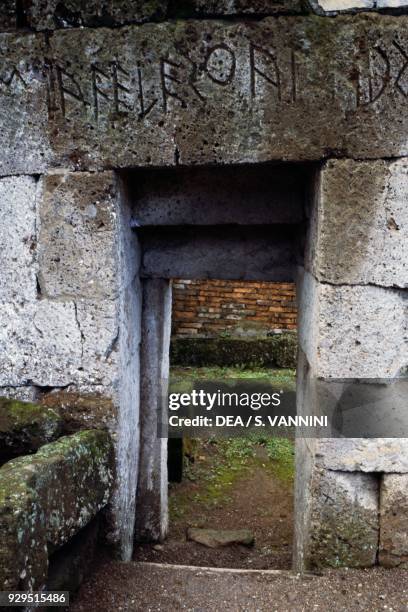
{"type": "Point", "coordinates": [82, 104]}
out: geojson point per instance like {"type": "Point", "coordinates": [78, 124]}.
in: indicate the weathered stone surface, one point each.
{"type": "Point", "coordinates": [282, 88]}
{"type": "Point", "coordinates": [45, 499]}
{"type": "Point", "coordinates": [51, 14]}
{"type": "Point", "coordinates": [360, 230]}
{"type": "Point", "coordinates": [344, 520]}
{"type": "Point", "coordinates": [355, 332]}
{"type": "Point", "coordinates": [23, 98]}
{"type": "Point", "coordinates": [214, 538]}
{"type": "Point", "coordinates": [243, 195]}
{"type": "Point", "coordinates": [77, 250]}
{"type": "Point", "coordinates": [151, 504]}
{"type": "Point", "coordinates": [18, 238]}
{"type": "Point", "coordinates": [24, 427]}
{"type": "Point", "coordinates": [40, 342]}
{"type": "Point", "coordinates": [375, 455]}
{"type": "Point", "coordinates": [205, 98]}
{"type": "Point", "coordinates": [394, 521]}
{"type": "Point", "coordinates": [243, 253]}
{"type": "Point", "coordinates": [82, 411]}
{"type": "Point", "coordinates": [362, 332]}
{"type": "Point", "coordinates": [235, 7]}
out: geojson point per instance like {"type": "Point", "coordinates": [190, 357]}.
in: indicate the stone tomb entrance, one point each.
{"type": "Point", "coordinates": [89, 105]}
{"type": "Point", "coordinates": [233, 223]}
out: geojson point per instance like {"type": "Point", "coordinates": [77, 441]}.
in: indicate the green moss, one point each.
{"type": "Point", "coordinates": [15, 413]}
{"type": "Point", "coordinates": [25, 426]}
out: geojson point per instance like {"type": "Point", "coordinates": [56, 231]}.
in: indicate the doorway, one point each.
{"type": "Point", "coordinates": [245, 225]}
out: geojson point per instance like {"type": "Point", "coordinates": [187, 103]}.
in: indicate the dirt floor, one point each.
{"type": "Point", "coordinates": [232, 484]}
{"type": "Point", "coordinates": [117, 587]}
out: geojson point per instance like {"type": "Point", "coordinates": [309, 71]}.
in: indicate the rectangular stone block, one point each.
{"type": "Point", "coordinates": [362, 332]}
{"type": "Point", "coordinates": [243, 195]}
{"type": "Point", "coordinates": [344, 520]}
{"type": "Point", "coordinates": [360, 226]}
{"type": "Point", "coordinates": [364, 455]}
{"type": "Point", "coordinates": [77, 251]}
{"type": "Point", "coordinates": [47, 498]}
{"type": "Point", "coordinates": [196, 92]}
{"type": "Point", "coordinates": [52, 14]}
{"type": "Point", "coordinates": [243, 253]}
{"type": "Point", "coordinates": [353, 331]}
{"type": "Point", "coordinates": [18, 238]}
{"type": "Point", "coordinates": [394, 521]}
{"type": "Point", "coordinates": [212, 92]}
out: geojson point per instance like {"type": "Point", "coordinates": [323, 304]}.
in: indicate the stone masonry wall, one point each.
{"type": "Point", "coordinates": [87, 93]}
{"type": "Point", "coordinates": [213, 307]}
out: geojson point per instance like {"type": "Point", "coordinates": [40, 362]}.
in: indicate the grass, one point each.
{"type": "Point", "coordinates": [283, 377]}
{"type": "Point", "coordinates": [221, 462]}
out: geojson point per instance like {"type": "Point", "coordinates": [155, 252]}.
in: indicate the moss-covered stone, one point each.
{"type": "Point", "coordinates": [24, 427]}
{"type": "Point", "coordinates": [345, 524]}
{"type": "Point", "coordinates": [276, 351]}
{"type": "Point", "coordinates": [82, 410]}
{"type": "Point", "coordinates": [45, 499]}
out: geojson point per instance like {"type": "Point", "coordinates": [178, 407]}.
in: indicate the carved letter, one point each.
{"type": "Point", "coordinates": [402, 70]}
{"type": "Point", "coordinates": [255, 54]}
{"type": "Point", "coordinates": [170, 77]}
{"type": "Point", "coordinates": [220, 64]}
{"type": "Point", "coordinates": [71, 89]}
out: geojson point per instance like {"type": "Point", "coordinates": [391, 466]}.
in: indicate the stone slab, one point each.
{"type": "Point", "coordinates": [18, 238]}
{"type": "Point", "coordinates": [47, 498]}
{"type": "Point", "coordinates": [332, 7]}
{"type": "Point", "coordinates": [393, 550]}
{"type": "Point", "coordinates": [243, 253]}
{"type": "Point", "coordinates": [362, 455]}
{"type": "Point", "coordinates": [344, 520]}
{"type": "Point", "coordinates": [52, 14]}
{"type": "Point", "coordinates": [77, 251]}
{"type": "Point", "coordinates": [243, 195]}
{"type": "Point", "coordinates": [289, 88]}
{"type": "Point", "coordinates": [360, 230]}
{"type": "Point", "coordinates": [216, 538]}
